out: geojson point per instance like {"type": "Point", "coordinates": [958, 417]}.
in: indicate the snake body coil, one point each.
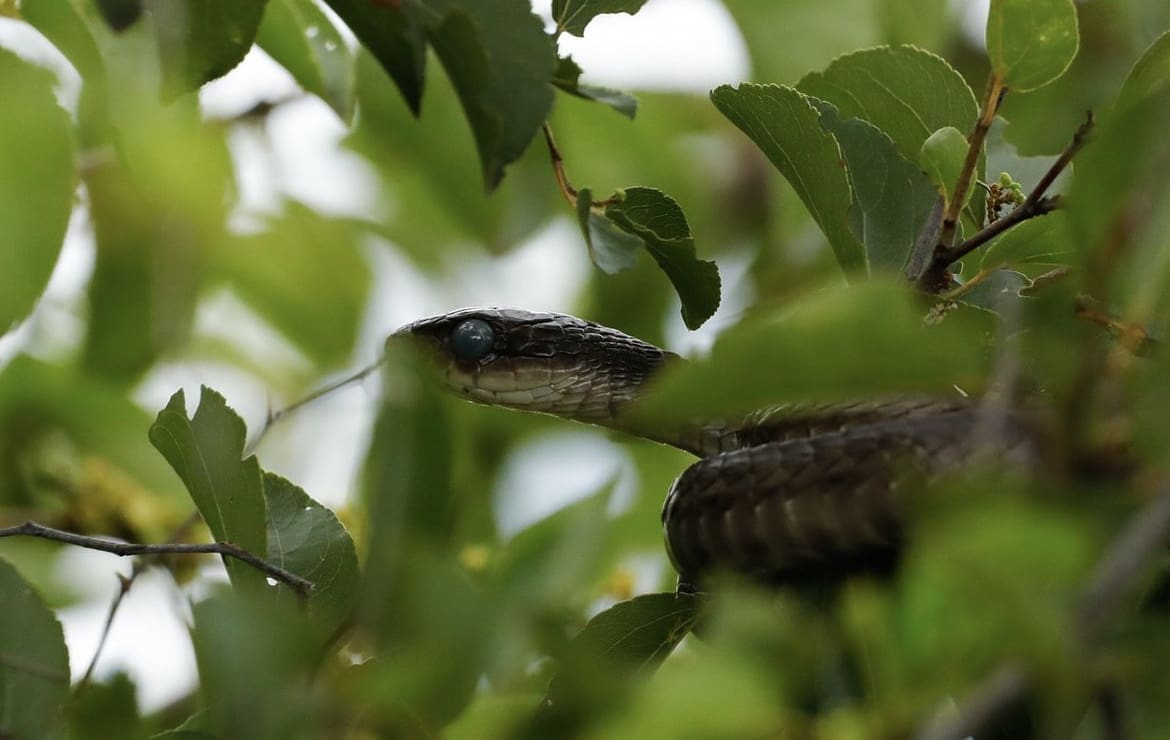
{"type": "Point", "coordinates": [782, 494]}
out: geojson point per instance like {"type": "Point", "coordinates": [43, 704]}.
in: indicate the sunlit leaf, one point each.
{"type": "Point", "coordinates": [307, 539]}
{"type": "Point", "coordinates": [906, 92]}
{"type": "Point", "coordinates": [298, 35]}
{"type": "Point", "coordinates": [786, 126]}
{"type": "Point", "coordinates": [34, 666]}
{"type": "Point", "coordinates": [36, 142]}
{"type": "Point", "coordinates": [573, 16]}
{"type": "Point", "coordinates": [891, 197]}
{"type": "Point", "coordinates": [63, 23]}
{"type": "Point", "coordinates": [865, 341]}
{"type": "Point", "coordinates": [200, 40]}
{"type": "Point", "coordinates": [656, 219]}
{"type": "Point", "coordinates": [567, 78]}
{"type": "Point", "coordinates": [1031, 42]}
{"type": "Point", "coordinates": [206, 452]}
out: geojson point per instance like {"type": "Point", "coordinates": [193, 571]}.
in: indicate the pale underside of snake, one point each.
{"type": "Point", "coordinates": [794, 493]}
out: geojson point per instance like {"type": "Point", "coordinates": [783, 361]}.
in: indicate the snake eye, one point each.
{"type": "Point", "coordinates": [472, 339]}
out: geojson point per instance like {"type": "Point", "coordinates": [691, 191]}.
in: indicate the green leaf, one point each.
{"type": "Point", "coordinates": [1031, 42]}
{"type": "Point", "coordinates": [205, 451]}
{"type": "Point", "coordinates": [256, 664]}
{"type": "Point", "coordinates": [62, 23]}
{"type": "Point", "coordinates": [610, 248]}
{"type": "Point", "coordinates": [840, 344]}
{"type": "Point", "coordinates": [786, 126]}
{"type": "Point", "coordinates": [34, 665]}
{"type": "Point", "coordinates": [306, 275]}
{"type": "Point", "coordinates": [573, 16]}
{"type": "Point", "coordinates": [989, 292]}
{"type": "Point", "coordinates": [406, 484]}
{"type": "Point", "coordinates": [567, 78]}
{"type": "Point", "coordinates": [302, 39]}
{"type": "Point", "coordinates": [36, 194]}
{"type": "Point", "coordinates": [892, 199]}
{"type": "Point", "coordinates": [396, 36]}
{"type": "Point", "coordinates": [306, 538]}
{"type": "Point", "coordinates": [1040, 240]}
{"type": "Point", "coordinates": [624, 643]}
{"type": "Point", "coordinates": [1150, 75]}
{"type": "Point", "coordinates": [501, 62]}
{"type": "Point", "coordinates": [107, 711]}
{"type": "Point", "coordinates": [906, 92]}
{"type": "Point", "coordinates": [200, 40]}
{"type": "Point", "coordinates": [942, 156]}
{"type": "Point", "coordinates": [656, 219]}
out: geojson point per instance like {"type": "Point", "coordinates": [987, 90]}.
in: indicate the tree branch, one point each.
{"type": "Point", "coordinates": [1036, 204]}
{"type": "Point", "coordinates": [991, 100]}
{"type": "Point", "coordinates": [558, 164]}
{"type": "Point", "coordinates": [31, 529]}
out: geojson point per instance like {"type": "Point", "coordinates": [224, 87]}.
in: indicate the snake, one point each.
{"type": "Point", "coordinates": [789, 493]}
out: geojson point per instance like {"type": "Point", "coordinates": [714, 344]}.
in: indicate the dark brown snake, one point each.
{"type": "Point", "coordinates": [790, 493]}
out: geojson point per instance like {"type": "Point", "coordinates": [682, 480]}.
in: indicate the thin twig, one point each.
{"type": "Point", "coordinates": [991, 100]}
{"type": "Point", "coordinates": [277, 414]}
{"type": "Point", "coordinates": [987, 701]}
{"type": "Point", "coordinates": [125, 583]}
{"type": "Point", "coordinates": [32, 529]}
{"type": "Point", "coordinates": [568, 192]}
{"type": "Point", "coordinates": [1038, 203]}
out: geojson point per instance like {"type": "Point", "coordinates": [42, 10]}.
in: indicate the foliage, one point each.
{"type": "Point", "coordinates": [883, 259]}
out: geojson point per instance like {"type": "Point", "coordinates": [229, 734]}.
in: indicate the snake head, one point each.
{"type": "Point", "coordinates": [545, 362]}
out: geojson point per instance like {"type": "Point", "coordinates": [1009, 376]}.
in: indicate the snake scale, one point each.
{"type": "Point", "coordinates": [784, 494]}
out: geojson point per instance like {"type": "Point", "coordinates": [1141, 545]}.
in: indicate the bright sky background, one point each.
{"type": "Point", "coordinates": [302, 159]}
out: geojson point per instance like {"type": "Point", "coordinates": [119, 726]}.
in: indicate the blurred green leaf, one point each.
{"type": "Point", "coordinates": [923, 23]}
{"type": "Point", "coordinates": [906, 92]}
{"type": "Point", "coordinates": [302, 39]}
{"type": "Point", "coordinates": [891, 198]}
{"type": "Point", "coordinates": [396, 36]}
{"type": "Point", "coordinates": [573, 16]}
{"type": "Point", "coordinates": [1031, 42]}
{"type": "Point", "coordinates": [63, 23]}
{"type": "Point", "coordinates": [1036, 240]}
{"type": "Point", "coordinates": [406, 485]}
{"type": "Point", "coordinates": [785, 125]}
{"type": "Point", "coordinates": [501, 62]}
{"type": "Point", "coordinates": [942, 156]}
{"type": "Point", "coordinates": [628, 641]}
{"type": "Point", "coordinates": [837, 344]}
{"type": "Point", "coordinates": [36, 142]}
{"type": "Point", "coordinates": [34, 665]}
{"type": "Point", "coordinates": [256, 662]}
{"type": "Point", "coordinates": [567, 78]}
{"type": "Point", "coordinates": [815, 32]}
{"type": "Point", "coordinates": [306, 538]}
{"type": "Point", "coordinates": [200, 40]}
{"type": "Point", "coordinates": [205, 451]}
{"type": "Point", "coordinates": [989, 292]}
{"type": "Point", "coordinates": [107, 711]}
{"type": "Point", "coordinates": [1150, 75]}
{"type": "Point", "coordinates": [306, 274]}
{"type": "Point", "coordinates": [656, 220]}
